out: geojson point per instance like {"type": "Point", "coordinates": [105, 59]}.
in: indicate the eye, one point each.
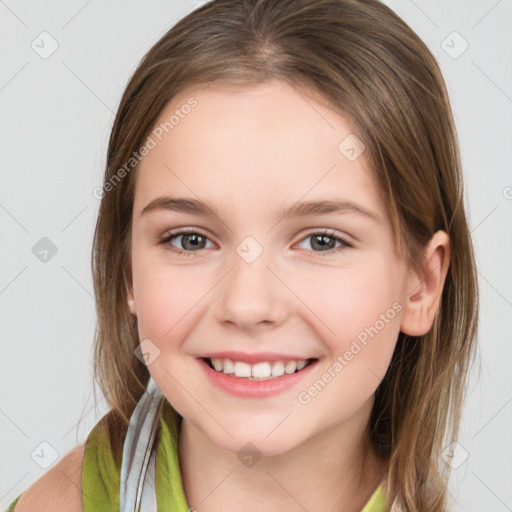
{"type": "Point", "coordinates": [191, 241]}
{"type": "Point", "coordinates": [326, 241]}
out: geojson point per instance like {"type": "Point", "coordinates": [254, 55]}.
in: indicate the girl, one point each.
{"type": "Point", "coordinates": [286, 288]}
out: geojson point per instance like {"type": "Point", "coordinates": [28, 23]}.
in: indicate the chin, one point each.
{"type": "Point", "coordinates": [266, 442]}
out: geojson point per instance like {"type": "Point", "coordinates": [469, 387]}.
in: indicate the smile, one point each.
{"type": "Point", "coordinates": [257, 380]}
{"type": "Point", "coordinates": [261, 371]}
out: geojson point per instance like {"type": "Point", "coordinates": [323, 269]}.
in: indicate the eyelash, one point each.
{"type": "Point", "coordinates": [170, 236]}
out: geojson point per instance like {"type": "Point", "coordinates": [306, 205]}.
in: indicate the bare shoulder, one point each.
{"type": "Point", "coordinates": [59, 489]}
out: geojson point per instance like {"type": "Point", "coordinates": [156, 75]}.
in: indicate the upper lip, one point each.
{"type": "Point", "coordinates": [253, 358]}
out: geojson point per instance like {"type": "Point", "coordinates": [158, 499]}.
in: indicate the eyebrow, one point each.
{"type": "Point", "coordinates": [296, 209]}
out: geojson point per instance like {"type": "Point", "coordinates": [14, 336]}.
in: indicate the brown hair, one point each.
{"type": "Point", "coordinates": [371, 67]}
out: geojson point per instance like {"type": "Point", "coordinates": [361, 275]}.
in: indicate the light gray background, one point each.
{"type": "Point", "coordinates": [56, 117]}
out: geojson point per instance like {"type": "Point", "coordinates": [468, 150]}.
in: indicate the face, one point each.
{"type": "Point", "coordinates": [254, 289]}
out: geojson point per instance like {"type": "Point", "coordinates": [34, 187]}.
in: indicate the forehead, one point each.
{"type": "Point", "coordinates": [271, 142]}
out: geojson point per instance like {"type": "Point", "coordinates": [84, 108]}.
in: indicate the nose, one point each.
{"type": "Point", "coordinates": [252, 296]}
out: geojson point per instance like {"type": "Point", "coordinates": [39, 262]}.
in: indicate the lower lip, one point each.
{"type": "Point", "coordinates": [251, 388]}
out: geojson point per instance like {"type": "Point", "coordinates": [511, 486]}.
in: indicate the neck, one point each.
{"type": "Point", "coordinates": [337, 470]}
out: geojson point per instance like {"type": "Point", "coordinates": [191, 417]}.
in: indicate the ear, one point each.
{"type": "Point", "coordinates": [131, 297]}
{"type": "Point", "coordinates": [424, 291]}
{"type": "Point", "coordinates": [131, 302]}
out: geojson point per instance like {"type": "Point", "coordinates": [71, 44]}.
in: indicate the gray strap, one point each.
{"type": "Point", "coordinates": [137, 486]}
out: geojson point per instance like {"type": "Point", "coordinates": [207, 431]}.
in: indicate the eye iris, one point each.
{"type": "Point", "coordinates": [195, 243]}
{"type": "Point", "coordinates": [323, 245]}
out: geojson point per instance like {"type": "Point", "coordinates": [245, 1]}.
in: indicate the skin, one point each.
{"type": "Point", "coordinates": [251, 151]}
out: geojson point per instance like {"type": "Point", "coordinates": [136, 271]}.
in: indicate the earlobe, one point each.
{"type": "Point", "coordinates": [132, 306]}
{"type": "Point", "coordinates": [131, 301]}
{"type": "Point", "coordinates": [424, 292]}
{"type": "Point", "coordinates": [131, 298]}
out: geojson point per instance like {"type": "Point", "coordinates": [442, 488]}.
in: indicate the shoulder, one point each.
{"type": "Point", "coordinates": [59, 489]}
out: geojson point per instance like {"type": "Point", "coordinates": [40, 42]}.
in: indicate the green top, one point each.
{"type": "Point", "coordinates": [101, 472]}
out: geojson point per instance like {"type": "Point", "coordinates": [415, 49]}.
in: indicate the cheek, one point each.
{"type": "Point", "coordinates": [372, 324]}
{"type": "Point", "coordinates": [351, 300]}
{"type": "Point", "coordinates": [171, 299]}
{"type": "Point", "coordinates": [359, 311]}
{"type": "Point", "coordinates": [159, 296]}
{"type": "Point", "coordinates": [364, 314]}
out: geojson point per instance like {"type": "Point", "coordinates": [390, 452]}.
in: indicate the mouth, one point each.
{"type": "Point", "coordinates": [261, 371]}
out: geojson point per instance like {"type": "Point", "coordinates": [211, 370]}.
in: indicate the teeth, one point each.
{"type": "Point", "coordinates": [227, 367]}
{"type": "Point", "coordinates": [290, 367]}
{"type": "Point", "coordinates": [278, 369]}
{"type": "Point", "coordinates": [258, 371]}
{"type": "Point", "coordinates": [242, 369]}
{"type": "Point", "coordinates": [301, 365]}
{"type": "Point", "coordinates": [261, 370]}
